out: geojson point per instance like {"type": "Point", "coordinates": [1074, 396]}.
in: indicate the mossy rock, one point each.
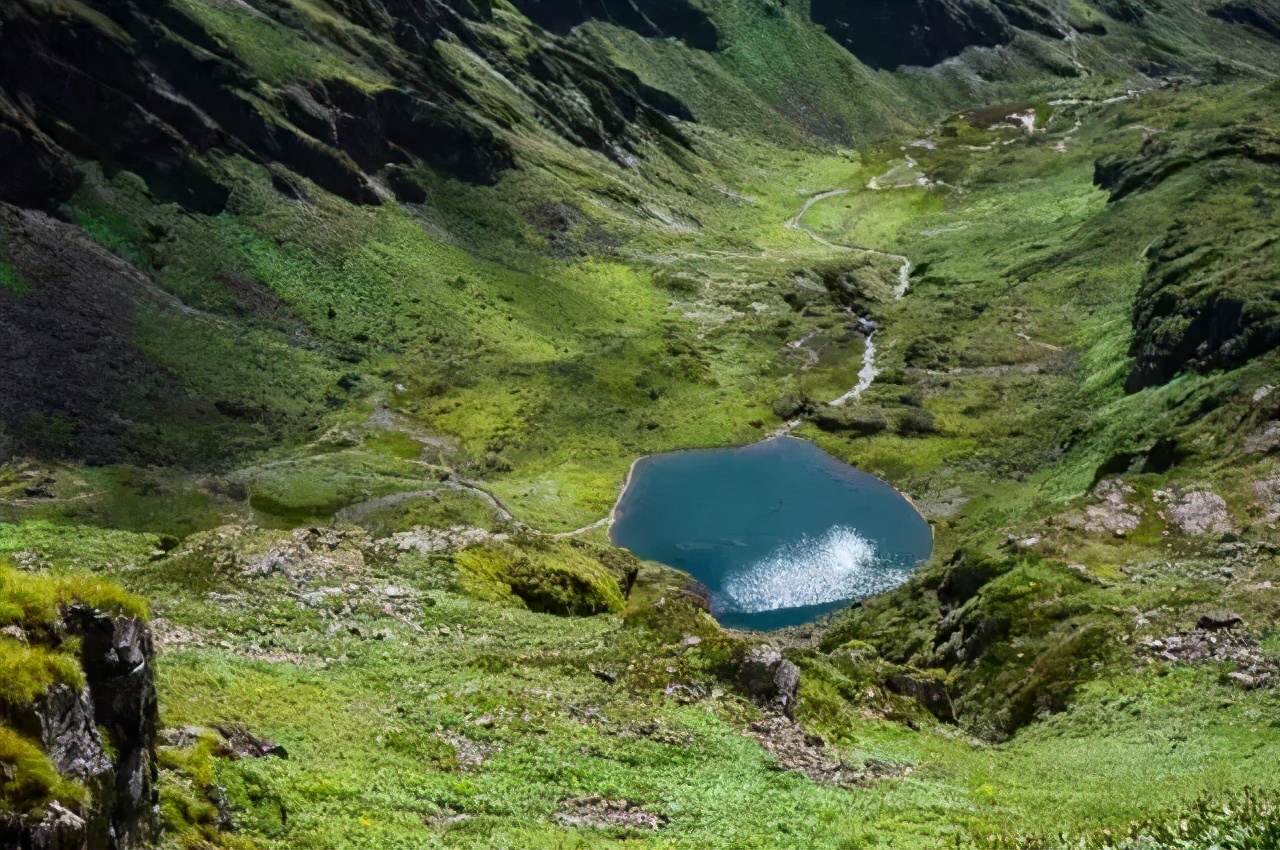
{"type": "Point", "coordinates": [551, 578]}
{"type": "Point", "coordinates": [966, 574]}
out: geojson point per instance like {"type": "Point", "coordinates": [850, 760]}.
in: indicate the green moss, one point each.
{"type": "Point", "coordinates": [29, 780]}
{"type": "Point", "coordinates": [553, 578]}
{"type": "Point", "coordinates": [12, 280]}
{"type": "Point", "coordinates": [34, 600]}
{"type": "Point", "coordinates": [396, 444]}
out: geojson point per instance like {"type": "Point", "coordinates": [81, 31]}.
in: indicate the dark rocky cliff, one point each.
{"type": "Point", "coordinates": [144, 86]}
{"type": "Point", "coordinates": [886, 34]}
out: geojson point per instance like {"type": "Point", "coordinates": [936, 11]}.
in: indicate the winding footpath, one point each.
{"type": "Point", "coordinates": [866, 377]}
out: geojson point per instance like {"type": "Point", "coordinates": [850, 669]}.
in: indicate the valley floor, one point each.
{"type": "Point", "coordinates": [423, 701]}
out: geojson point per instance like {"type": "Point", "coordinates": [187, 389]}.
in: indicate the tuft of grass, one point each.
{"type": "Point", "coordinates": [34, 600]}
{"type": "Point", "coordinates": [29, 779]}
{"type": "Point", "coordinates": [28, 671]}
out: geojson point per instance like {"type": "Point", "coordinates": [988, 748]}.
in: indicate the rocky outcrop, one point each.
{"type": "Point", "coordinates": [886, 34]}
{"type": "Point", "coordinates": [770, 679]}
{"type": "Point", "coordinates": [650, 18]}
{"type": "Point", "coordinates": [116, 656]}
{"type": "Point", "coordinates": [1161, 156]}
{"type": "Point", "coordinates": [120, 773]}
{"type": "Point", "coordinates": [1205, 302]}
{"type": "Point", "coordinates": [1262, 15]}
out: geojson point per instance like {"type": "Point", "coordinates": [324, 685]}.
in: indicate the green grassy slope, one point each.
{"type": "Point", "coordinates": [495, 357]}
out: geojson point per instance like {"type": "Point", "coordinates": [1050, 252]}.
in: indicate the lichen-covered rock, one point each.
{"type": "Point", "coordinates": [1268, 493]}
{"type": "Point", "coordinates": [1112, 514]}
{"type": "Point", "coordinates": [1196, 512]}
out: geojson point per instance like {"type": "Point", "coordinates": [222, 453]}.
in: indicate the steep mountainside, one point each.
{"type": "Point", "coordinates": [332, 328]}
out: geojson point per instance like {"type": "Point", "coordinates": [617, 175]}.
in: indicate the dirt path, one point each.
{"type": "Point", "coordinates": [353, 512]}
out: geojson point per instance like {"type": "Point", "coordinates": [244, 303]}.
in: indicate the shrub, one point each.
{"type": "Point", "coordinates": [916, 422]}
{"type": "Point", "coordinates": [857, 420]}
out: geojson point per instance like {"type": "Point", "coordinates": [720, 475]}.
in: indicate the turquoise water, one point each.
{"type": "Point", "coordinates": [780, 532]}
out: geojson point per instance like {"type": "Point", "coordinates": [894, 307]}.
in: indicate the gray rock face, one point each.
{"type": "Point", "coordinates": [69, 736]}
{"type": "Point", "coordinates": [59, 829]}
{"type": "Point", "coordinates": [120, 697]}
{"type": "Point", "coordinates": [117, 662]}
{"type": "Point", "coordinates": [769, 679]}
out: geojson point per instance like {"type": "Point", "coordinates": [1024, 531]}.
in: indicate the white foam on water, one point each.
{"type": "Point", "coordinates": [841, 564]}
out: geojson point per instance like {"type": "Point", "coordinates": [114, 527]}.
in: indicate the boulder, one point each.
{"type": "Point", "coordinates": [770, 679]}
{"type": "Point", "coordinates": [929, 688]}
{"type": "Point", "coordinates": [1216, 620]}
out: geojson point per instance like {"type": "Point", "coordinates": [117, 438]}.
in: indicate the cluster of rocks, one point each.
{"type": "Point", "coordinates": [1194, 511]}
{"type": "Point", "coordinates": [1113, 514]}
{"type": "Point", "coordinates": [427, 541]}
{"type": "Point", "coordinates": [795, 749]}
{"type": "Point", "coordinates": [600, 813]}
{"type": "Point", "coordinates": [1218, 638]}
{"type": "Point", "coordinates": [311, 553]}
